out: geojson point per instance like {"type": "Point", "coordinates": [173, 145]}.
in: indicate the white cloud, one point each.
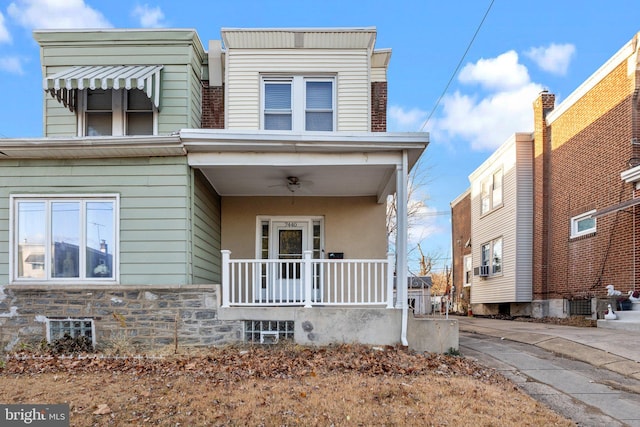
{"type": "Point", "coordinates": [485, 120]}
{"type": "Point", "coordinates": [5, 37]}
{"type": "Point", "coordinates": [554, 58]}
{"type": "Point", "coordinates": [400, 120]}
{"type": "Point", "coordinates": [57, 14]}
{"type": "Point", "coordinates": [149, 17]}
{"type": "Point", "coordinates": [502, 72]}
{"type": "Point", "coordinates": [11, 64]}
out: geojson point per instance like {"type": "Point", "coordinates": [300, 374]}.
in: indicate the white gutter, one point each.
{"type": "Point", "coordinates": [401, 245]}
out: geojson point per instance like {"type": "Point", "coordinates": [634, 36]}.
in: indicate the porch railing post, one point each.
{"type": "Point", "coordinates": [308, 277]}
{"type": "Point", "coordinates": [390, 264]}
{"type": "Point", "coordinates": [226, 278]}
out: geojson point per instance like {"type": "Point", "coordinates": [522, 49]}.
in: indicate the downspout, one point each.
{"type": "Point", "coordinates": [401, 245]}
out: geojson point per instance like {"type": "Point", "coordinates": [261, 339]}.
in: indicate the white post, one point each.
{"type": "Point", "coordinates": [308, 277]}
{"type": "Point", "coordinates": [226, 279]}
{"type": "Point", "coordinates": [390, 268]}
{"type": "Point", "coordinates": [402, 184]}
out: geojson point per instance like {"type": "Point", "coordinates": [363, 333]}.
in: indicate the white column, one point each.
{"type": "Point", "coordinates": [308, 277]}
{"type": "Point", "coordinates": [226, 279]}
{"type": "Point", "coordinates": [401, 232]}
{"type": "Point", "coordinates": [390, 268]}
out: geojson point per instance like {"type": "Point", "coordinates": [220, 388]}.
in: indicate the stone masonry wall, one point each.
{"type": "Point", "coordinates": [147, 317]}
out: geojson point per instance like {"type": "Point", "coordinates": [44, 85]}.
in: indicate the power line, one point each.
{"type": "Point", "coordinates": [457, 67]}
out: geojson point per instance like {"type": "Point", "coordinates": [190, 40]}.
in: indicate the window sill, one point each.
{"type": "Point", "coordinates": [582, 236]}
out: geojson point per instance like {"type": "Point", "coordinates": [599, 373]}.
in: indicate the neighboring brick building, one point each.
{"type": "Point", "coordinates": [584, 238]}
{"type": "Point", "coordinates": [462, 267]}
{"type": "Point", "coordinates": [586, 171]}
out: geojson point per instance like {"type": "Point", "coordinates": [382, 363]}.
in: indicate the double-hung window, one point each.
{"type": "Point", "coordinates": [116, 112]}
{"type": "Point", "coordinates": [491, 192]}
{"type": "Point", "coordinates": [583, 224]}
{"type": "Point", "coordinates": [491, 256]}
{"type": "Point", "coordinates": [298, 103]}
{"type": "Point", "coordinates": [65, 238]}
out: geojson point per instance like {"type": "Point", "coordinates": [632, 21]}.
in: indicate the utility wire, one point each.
{"type": "Point", "coordinates": [457, 67]}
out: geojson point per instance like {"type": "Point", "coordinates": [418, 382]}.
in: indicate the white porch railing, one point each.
{"type": "Point", "coordinates": [306, 282]}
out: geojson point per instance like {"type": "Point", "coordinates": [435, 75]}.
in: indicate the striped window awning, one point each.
{"type": "Point", "coordinates": [64, 86]}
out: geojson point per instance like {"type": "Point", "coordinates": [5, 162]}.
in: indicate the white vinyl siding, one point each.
{"type": "Point", "coordinates": [245, 68]}
{"type": "Point", "coordinates": [154, 209]}
{"type": "Point", "coordinates": [513, 223]}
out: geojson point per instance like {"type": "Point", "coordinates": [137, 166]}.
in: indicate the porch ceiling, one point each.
{"type": "Point", "coordinates": [339, 180]}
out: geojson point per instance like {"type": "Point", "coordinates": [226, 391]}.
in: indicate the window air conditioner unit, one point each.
{"type": "Point", "coordinates": [484, 271]}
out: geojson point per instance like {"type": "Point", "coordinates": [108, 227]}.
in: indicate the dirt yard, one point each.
{"type": "Point", "coordinates": [280, 385]}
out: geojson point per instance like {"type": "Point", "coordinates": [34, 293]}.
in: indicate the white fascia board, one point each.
{"type": "Point", "coordinates": [206, 140]}
{"type": "Point", "coordinates": [289, 158]}
{"type": "Point", "coordinates": [497, 155]}
{"type": "Point", "coordinates": [631, 175]}
{"type": "Point", "coordinates": [625, 52]}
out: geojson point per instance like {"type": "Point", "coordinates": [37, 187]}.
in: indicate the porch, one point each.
{"type": "Point", "coordinates": [307, 281]}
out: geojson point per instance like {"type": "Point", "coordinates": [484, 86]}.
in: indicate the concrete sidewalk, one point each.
{"type": "Point", "coordinates": [618, 351]}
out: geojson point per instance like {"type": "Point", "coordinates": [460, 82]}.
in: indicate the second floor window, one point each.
{"type": "Point", "coordinates": [298, 103]}
{"type": "Point", "coordinates": [491, 192]}
{"type": "Point", "coordinates": [117, 113]}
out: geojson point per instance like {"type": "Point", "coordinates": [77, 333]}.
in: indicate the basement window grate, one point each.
{"type": "Point", "coordinates": [268, 331]}
{"type": "Point", "coordinates": [580, 307]}
{"type": "Point", "coordinates": [58, 328]}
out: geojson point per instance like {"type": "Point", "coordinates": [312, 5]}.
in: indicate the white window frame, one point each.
{"type": "Point", "coordinates": [577, 219]}
{"type": "Point", "coordinates": [490, 196]}
{"type": "Point", "coordinates": [467, 267]}
{"type": "Point", "coordinates": [119, 112]}
{"type": "Point", "coordinates": [490, 261]}
{"type": "Point", "coordinates": [48, 199]}
{"type": "Point", "coordinates": [298, 98]}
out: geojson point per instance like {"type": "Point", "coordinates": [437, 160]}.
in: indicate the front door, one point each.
{"type": "Point", "coordinates": [287, 242]}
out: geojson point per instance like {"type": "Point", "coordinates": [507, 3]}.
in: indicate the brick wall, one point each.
{"type": "Point", "coordinates": [460, 234]}
{"type": "Point", "coordinates": [147, 317]}
{"type": "Point", "coordinates": [212, 106]}
{"type": "Point", "coordinates": [577, 166]}
{"type": "Point", "coordinates": [378, 106]}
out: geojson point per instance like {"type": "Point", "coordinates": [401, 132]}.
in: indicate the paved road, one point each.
{"type": "Point", "coordinates": [587, 394]}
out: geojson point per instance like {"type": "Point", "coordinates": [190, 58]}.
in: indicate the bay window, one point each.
{"type": "Point", "coordinates": [64, 238]}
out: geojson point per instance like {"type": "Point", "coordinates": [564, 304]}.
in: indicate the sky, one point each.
{"type": "Point", "coordinates": [469, 85]}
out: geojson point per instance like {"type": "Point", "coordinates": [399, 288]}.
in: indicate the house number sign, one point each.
{"type": "Point", "coordinates": [291, 224]}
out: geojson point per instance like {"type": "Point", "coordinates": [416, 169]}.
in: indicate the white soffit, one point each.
{"type": "Point", "coordinates": [63, 85]}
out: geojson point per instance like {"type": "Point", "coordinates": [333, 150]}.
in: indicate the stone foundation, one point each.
{"type": "Point", "coordinates": [144, 316]}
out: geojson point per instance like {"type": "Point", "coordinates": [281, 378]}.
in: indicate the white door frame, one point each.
{"type": "Point", "coordinates": [278, 288]}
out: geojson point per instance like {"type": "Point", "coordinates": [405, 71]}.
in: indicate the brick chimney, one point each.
{"type": "Point", "coordinates": [541, 158]}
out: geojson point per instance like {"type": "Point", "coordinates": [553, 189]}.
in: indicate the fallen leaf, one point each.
{"type": "Point", "coordinates": [103, 409]}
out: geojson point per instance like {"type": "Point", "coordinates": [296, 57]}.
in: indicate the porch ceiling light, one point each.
{"type": "Point", "coordinates": [293, 183]}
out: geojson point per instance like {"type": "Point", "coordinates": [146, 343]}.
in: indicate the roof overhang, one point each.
{"type": "Point", "coordinates": [64, 84]}
{"type": "Point", "coordinates": [91, 147]}
{"type": "Point", "coordinates": [337, 164]}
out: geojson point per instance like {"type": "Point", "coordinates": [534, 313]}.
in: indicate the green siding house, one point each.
{"type": "Point", "coordinates": [189, 197]}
